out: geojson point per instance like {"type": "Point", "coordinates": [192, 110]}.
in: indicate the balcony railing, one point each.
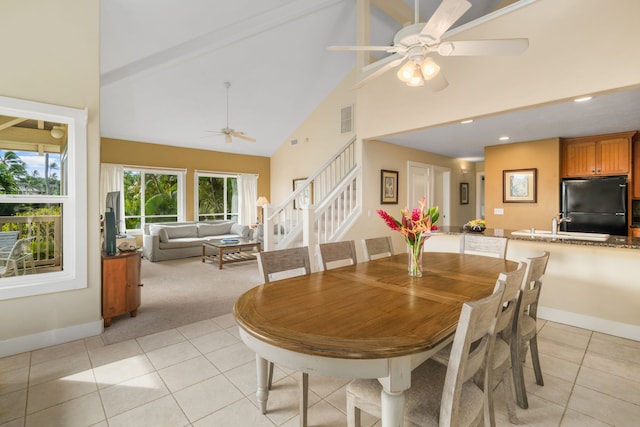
{"type": "Point", "coordinates": [47, 232]}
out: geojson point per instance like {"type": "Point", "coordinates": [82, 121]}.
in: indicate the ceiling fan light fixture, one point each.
{"type": "Point", "coordinates": [227, 138]}
{"type": "Point", "coordinates": [416, 79]}
{"type": "Point", "coordinates": [406, 71]}
{"type": "Point", "coordinates": [429, 68]}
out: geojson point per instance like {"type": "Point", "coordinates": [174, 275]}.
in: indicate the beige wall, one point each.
{"type": "Point", "coordinates": [558, 65]}
{"type": "Point", "coordinates": [132, 153]}
{"type": "Point", "coordinates": [51, 55]}
{"type": "Point", "coordinates": [542, 155]}
{"type": "Point", "coordinates": [318, 137]}
{"type": "Point", "coordinates": [380, 155]}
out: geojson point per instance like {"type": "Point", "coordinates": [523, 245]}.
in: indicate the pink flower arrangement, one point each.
{"type": "Point", "coordinates": [414, 226]}
{"type": "Point", "coordinates": [413, 223]}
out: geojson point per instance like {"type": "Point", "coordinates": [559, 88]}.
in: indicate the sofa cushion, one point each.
{"type": "Point", "coordinates": [241, 230]}
{"type": "Point", "coordinates": [184, 242]}
{"type": "Point", "coordinates": [180, 231]}
{"type": "Point", "coordinates": [205, 229]}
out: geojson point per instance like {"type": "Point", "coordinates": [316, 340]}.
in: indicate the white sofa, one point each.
{"type": "Point", "coordinates": [165, 241]}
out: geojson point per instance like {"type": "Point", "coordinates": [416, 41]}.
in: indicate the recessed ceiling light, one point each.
{"type": "Point", "coordinates": [582, 99]}
{"type": "Point", "coordinates": [464, 122]}
{"type": "Point", "coordinates": [504, 138]}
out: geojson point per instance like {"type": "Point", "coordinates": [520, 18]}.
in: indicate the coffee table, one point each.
{"type": "Point", "coordinates": [228, 252]}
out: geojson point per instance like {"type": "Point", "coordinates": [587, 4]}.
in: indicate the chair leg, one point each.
{"type": "Point", "coordinates": [304, 398]}
{"type": "Point", "coordinates": [535, 360]}
{"type": "Point", "coordinates": [270, 380]}
{"type": "Point", "coordinates": [353, 412]}
{"type": "Point", "coordinates": [507, 383]}
{"type": "Point", "coordinates": [518, 376]}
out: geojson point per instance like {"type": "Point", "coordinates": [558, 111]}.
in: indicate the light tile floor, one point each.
{"type": "Point", "coordinates": [203, 375]}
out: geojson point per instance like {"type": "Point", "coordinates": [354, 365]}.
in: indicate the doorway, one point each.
{"type": "Point", "coordinates": [433, 183]}
{"type": "Point", "coordinates": [480, 195]}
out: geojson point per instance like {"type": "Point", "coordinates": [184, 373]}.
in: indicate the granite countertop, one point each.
{"type": "Point", "coordinates": [626, 242]}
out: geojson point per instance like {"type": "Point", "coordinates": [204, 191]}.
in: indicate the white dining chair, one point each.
{"type": "Point", "coordinates": [500, 362]}
{"type": "Point", "coordinates": [525, 328]}
{"type": "Point", "coordinates": [338, 254]}
{"type": "Point", "coordinates": [279, 264]}
{"type": "Point", "coordinates": [377, 247]}
{"type": "Point", "coordinates": [480, 244]}
{"type": "Point", "coordinates": [441, 395]}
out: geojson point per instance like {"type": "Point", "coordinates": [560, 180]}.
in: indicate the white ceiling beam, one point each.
{"type": "Point", "coordinates": [218, 39]}
{"type": "Point", "coordinates": [397, 10]}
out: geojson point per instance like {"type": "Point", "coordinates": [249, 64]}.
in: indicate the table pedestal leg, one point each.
{"type": "Point", "coordinates": [392, 409]}
{"type": "Point", "coordinates": [262, 393]}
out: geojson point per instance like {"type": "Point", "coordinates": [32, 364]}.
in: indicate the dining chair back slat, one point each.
{"type": "Point", "coordinates": [294, 261]}
{"type": "Point", "coordinates": [377, 247]}
{"type": "Point", "coordinates": [480, 244]}
{"type": "Point", "coordinates": [337, 254]}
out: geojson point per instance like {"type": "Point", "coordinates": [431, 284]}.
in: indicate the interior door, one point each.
{"type": "Point", "coordinates": [432, 183]}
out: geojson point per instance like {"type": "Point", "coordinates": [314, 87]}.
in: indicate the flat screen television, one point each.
{"type": "Point", "coordinates": [113, 205]}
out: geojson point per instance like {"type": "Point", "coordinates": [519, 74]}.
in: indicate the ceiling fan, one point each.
{"type": "Point", "coordinates": [416, 42]}
{"type": "Point", "coordinates": [227, 131]}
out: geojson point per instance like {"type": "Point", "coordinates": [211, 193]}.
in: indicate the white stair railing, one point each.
{"type": "Point", "coordinates": [317, 193]}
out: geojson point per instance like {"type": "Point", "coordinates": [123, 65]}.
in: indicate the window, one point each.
{"type": "Point", "coordinates": [152, 196]}
{"type": "Point", "coordinates": [43, 196]}
{"type": "Point", "coordinates": [217, 197]}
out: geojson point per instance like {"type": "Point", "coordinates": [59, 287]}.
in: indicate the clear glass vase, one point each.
{"type": "Point", "coordinates": [415, 259]}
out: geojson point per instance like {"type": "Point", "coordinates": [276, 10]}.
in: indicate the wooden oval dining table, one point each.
{"type": "Point", "coordinates": [369, 320]}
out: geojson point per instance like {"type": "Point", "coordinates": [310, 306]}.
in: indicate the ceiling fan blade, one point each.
{"type": "Point", "coordinates": [438, 83]}
{"type": "Point", "coordinates": [387, 63]}
{"type": "Point", "coordinates": [389, 49]}
{"type": "Point", "coordinates": [443, 18]}
{"type": "Point", "coordinates": [241, 135]}
{"type": "Point", "coordinates": [483, 47]}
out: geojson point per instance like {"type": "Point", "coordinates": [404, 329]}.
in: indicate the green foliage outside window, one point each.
{"type": "Point", "coordinates": [156, 200]}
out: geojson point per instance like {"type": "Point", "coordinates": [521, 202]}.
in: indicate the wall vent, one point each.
{"type": "Point", "coordinates": [294, 142]}
{"type": "Point", "coordinates": [346, 119]}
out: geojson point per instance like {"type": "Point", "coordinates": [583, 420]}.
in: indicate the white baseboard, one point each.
{"type": "Point", "coordinates": [609, 327]}
{"type": "Point", "coordinates": [48, 338]}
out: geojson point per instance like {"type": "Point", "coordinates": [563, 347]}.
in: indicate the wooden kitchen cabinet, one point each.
{"type": "Point", "coordinates": [636, 168]}
{"type": "Point", "coordinates": [600, 155]}
{"type": "Point", "coordinates": [120, 284]}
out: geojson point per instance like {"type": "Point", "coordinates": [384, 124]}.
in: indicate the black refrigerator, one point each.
{"type": "Point", "coordinates": [597, 205]}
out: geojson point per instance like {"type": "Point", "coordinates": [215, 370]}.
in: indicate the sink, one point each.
{"type": "Point", "coordinates": [574, 235]}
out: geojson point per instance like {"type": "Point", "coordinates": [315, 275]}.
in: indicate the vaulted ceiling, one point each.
{"type": "Point", "coordinates": [164, 64]}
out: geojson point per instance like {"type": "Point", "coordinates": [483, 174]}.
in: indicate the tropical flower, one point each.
{"type": "Point", "coordinates": [413, 222]}
{"type": "Point", "coordinates": [415, 225]}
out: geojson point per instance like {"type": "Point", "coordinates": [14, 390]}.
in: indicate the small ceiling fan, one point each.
{"type": "Point", "coordinates": [416, 42]}
{"type": "Point", "coordinates": [227, 131]}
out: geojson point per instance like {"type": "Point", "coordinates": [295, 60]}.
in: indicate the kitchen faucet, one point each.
{"type": "Point", "coordinates": [556, 221]}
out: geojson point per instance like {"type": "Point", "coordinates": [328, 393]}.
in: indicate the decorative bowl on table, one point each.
{"type": "Point", "coordinates": [127, 247]}
{"type": "Point", "coordinates": [476, 225]}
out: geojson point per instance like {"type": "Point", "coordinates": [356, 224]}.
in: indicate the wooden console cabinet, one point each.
{"type": "Point", "coordinates": [600, 155]}
{"type": "Point", "coordinates": [120, 284]}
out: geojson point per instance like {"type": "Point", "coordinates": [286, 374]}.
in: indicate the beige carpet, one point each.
{"type": "Point", "coordinates": [179, 292]}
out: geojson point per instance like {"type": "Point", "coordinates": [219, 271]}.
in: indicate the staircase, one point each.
{"type": "Point", "coordinates": [334, 205]}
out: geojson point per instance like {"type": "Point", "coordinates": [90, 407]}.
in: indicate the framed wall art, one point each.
{"type": "Point", "coordinates": [464, 193]}
{"type": "Point", "coordinates": [306, 197]}
{"type": "Point", "coordinates": [388, 187]}
{"type": "Point", "coordinates": [519, 186]}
